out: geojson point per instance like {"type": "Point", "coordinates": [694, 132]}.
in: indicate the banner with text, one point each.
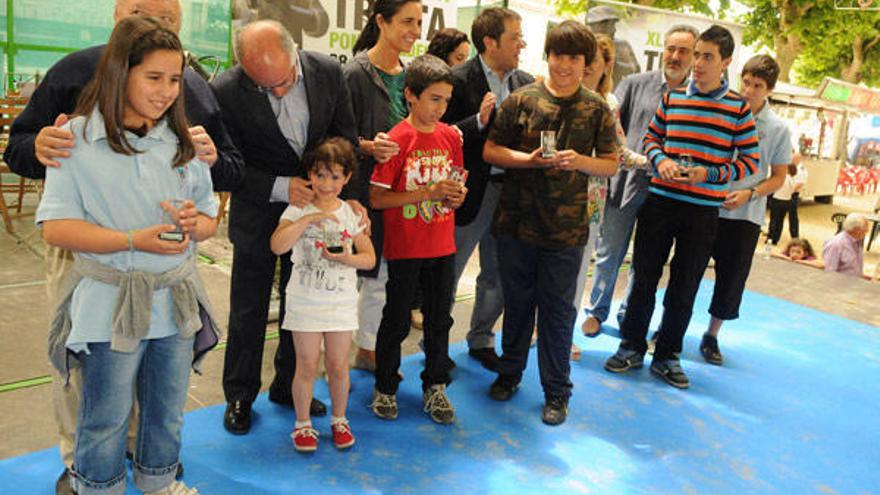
{"type": "Point", "coordinates": [333, 26]}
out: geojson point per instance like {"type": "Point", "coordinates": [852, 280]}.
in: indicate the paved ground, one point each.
{"type": "Point", "coordinates": [26, 422]}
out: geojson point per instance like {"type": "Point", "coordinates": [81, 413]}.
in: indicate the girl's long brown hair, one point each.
{"type": "Point", "coordinates": [604, 49]}
{"type": "Point", "coordinates": [132, 39]}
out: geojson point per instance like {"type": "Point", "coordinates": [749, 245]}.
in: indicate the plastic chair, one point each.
{"type": "Point", "coordinates": [838, 218]}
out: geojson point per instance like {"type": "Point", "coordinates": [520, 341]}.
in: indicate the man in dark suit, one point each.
{"type": "Point", "coordinates": [480, 85]}
{"type": "Point", "coordinates": [277, 103]}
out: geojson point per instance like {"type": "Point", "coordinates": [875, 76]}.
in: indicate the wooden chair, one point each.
{"type": "Point", "coordinates": [10, 107]}
{"type": "Point", "coordinates": [224, 200]}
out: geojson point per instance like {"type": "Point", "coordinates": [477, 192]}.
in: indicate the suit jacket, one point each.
{"type": "Point", "coordinates": [469, 87]}
{"type": "Point", "coordinates": [267, 155]}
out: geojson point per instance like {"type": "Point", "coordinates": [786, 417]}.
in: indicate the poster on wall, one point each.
{"type": "Point", "coordinates": [332, 26]}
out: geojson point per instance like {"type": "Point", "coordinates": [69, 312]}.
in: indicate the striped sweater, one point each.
{"type": "Point", "coordinates": [717, 130]}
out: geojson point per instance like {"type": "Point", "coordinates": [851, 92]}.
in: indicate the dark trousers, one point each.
{"type": "Point", "coordinates": [733, 250]}
{"type": "Point", "coordinates": [436, 277]}
{"type": "Point", "coordinates": [661, 222]}
{"type": "Point", "coordinates": [252, 277]}
{"type": "Point", "coordinates": [778, 209]}
{"type": "Point", "coordinates": [543, 280]}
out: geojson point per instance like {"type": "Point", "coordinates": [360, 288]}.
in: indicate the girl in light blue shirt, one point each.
{"type": "Point", "coordinates": [129, 201]}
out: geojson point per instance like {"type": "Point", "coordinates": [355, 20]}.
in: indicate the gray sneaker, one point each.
{"type": "Point", "coordinates": [670, 371]}
{"type": "Point", "coordinates": [624, 360]}
{"type": "Point", "coordinates": [384, 405]}
{"type": "Point", "coordinates": [437, 405]}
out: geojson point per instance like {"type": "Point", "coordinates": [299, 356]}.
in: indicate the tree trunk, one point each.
{"type": "Point", "coordinates": [852, 73]}
{"type": "Point", "coordinates": [787, 50]}
{"type": "Point", "coordinates": [787, 43]}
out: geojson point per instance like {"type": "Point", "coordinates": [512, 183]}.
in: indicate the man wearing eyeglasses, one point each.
{"type": "Point", "coordinates": [277, 103]}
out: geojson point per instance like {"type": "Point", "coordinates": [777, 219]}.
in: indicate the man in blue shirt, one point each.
{"type": "Point", "coordinates": [639, 97]}
{"type": "Point", "coordinates": [480, 86]}
{"type": "Point", "coordinates": [742, 213]}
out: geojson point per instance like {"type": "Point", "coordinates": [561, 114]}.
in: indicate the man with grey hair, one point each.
{"type": "Point", "coordinates": [37, 139]}
{"type": "Point", "coordinates": [639, 97]}
{"type": "Point", "coordinates": [277, 103]}
{"type": "Point", "coordinates": [843, 252]}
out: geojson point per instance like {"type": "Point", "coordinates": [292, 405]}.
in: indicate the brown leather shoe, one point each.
{"type": "Point", "coordinates": [365, 360]}
{"type": "Point", "coordinates": [591, 327]}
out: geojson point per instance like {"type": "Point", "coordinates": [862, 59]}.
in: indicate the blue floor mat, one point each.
{"type": "Point", "coordinates": [793, 410]}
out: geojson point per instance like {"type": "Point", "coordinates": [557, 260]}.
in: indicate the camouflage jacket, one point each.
{"type": "Point", "coordinates": [548, 207]}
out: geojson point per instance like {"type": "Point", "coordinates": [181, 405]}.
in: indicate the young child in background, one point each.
{"type": "Point", "coordinates": [800, 251]}
{"type": "Point", "coordinates": [328, 248]}
{"type": "Point", "coordinates": [418, 191]}
{"type": "Point", "coordinates": [133, 301]}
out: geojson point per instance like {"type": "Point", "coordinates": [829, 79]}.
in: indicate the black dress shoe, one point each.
{"type": "Point", "coordinates": [285, 400]}
{"type": "Point", "coordinates": [503, 388]}
{"type": "Point", "coordinates": [62, 486]}
{"type": "Point", "coordinates": [486, 357]}
{"type": "Point", "coordinates": [317, 408]}
{"type": "Point", "coordinates": [237, 419]}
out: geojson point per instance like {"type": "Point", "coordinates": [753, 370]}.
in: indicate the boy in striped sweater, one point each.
{"type": "Point", "coordinates": [701, 138]}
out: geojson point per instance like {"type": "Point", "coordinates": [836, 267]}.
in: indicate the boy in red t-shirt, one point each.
{"type": "Point", "coordinates": [418, 189]}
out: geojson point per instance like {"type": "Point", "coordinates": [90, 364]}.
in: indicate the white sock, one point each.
{"type": "Point", "coordinates": [303, 424]}
{"type": "Point", "coordinates": [337, 419]}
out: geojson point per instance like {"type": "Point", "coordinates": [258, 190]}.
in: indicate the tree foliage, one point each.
{"type": "Point", "coordinates": [821, 40]}
{"type": "Point", "coordinates": [577, 8]}
{"type": "Point", "coordinates": [811, 38]}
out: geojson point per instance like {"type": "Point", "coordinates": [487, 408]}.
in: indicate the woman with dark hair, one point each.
{"type": "Point", "coordinates": [133, 302]}
{"type": "Point", "coordinates": [451, 46]}
{"type": "Point", "coordinates": [375, 79]}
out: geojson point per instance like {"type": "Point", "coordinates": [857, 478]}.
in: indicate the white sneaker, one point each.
{"type": "Point", "coordinates": [175, 488]}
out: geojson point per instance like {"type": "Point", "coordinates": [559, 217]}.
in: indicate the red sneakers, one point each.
{"type": "Point", "coordinates": [305, 439]}
{"type": "Point", "coordinates": [342, 436]}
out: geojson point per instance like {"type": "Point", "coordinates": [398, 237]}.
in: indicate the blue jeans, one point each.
{"type": "Point", "coordinates": [538, 280]}
{"type": "Point", "coordinates": [489, 303]}
{"type": "Point", "coordinates": [614, 235]}
{"type": "Point", "coordinates": [159, 370]}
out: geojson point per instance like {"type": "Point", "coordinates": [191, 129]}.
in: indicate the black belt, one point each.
{"type": "Point", "coordinates": [496, 178]}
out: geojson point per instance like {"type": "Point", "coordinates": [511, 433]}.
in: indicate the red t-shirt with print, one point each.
{"type": "Point", "coordinates": [425, 229]}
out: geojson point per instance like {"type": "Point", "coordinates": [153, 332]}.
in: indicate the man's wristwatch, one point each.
{"type": "Point", "coordinates": [754, 194]}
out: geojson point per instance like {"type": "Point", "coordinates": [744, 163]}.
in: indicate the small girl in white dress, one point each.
{"type": "Point", "coordinates": [328, 249]}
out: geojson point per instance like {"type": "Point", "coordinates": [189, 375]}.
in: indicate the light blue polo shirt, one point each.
{"type": "Point", "coordinates": [121, 192]}
{"type": "Point", "coordinates": [774, 142]}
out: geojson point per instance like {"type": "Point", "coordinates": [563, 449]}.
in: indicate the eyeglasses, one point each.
{"type": "Point", "coordinates": [286, 83]}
